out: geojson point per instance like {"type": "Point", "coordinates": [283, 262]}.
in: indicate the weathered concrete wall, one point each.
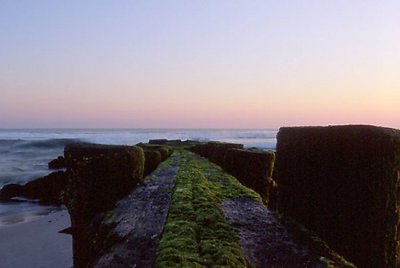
{"type": "Point", "coordinates": [215, 151]}
{"type": "Point", "coordinates": [152, 160]}
{"type": "Point", "coordinates": [98, 176]}
{"type": "Point", "coordinates": [164, 150]}
{"type": "Point", "coordinates": [343, 182]}
{"type": "Point", "coordinates": [252, 168]}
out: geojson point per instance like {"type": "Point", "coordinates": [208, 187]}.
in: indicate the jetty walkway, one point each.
{"type": "Point", "coordinates": [190, 213]}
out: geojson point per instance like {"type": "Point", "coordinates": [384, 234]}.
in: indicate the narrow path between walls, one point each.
{"type": "Point", "coordinates": [190, 213]}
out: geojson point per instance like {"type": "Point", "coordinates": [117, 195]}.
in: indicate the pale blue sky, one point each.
{"type": "Point", "coordinates": [198, 63]}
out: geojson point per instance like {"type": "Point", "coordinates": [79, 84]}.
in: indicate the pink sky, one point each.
{"type": "Point", "coordinates": [214, 65]}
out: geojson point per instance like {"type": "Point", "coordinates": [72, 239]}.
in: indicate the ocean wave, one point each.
{"type": "Point", "coordinates": [9, 142]}
{"type": "Point", "coordinates": [45, 144]}
{"type": "Point", "coordinates": [262, 135]}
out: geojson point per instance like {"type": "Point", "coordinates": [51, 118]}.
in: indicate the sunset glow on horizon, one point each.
{"type": "Point", "coordinates": [198, 64]}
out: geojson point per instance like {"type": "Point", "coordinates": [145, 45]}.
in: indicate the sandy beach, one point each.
{"type": "Point", "coordinates": [37, 243]}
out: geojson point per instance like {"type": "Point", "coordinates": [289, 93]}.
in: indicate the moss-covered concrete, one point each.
{"type": "Point", "coordinates": [98, 176]}
{"type": "Point", "coordinates": [164, 150]}
{"type": "Point", "coordinates": [134, 226]}
{"type": "Point", "coordinates": [343, 183]}
{"type": "Point", "coordinates": [253, 169]}
{"type": "Point", "coordinates": [196, 233]}
{"type": "Point", "coordinates": [137, 233]}
{"type": "Point", "coordinates": [215, 151]}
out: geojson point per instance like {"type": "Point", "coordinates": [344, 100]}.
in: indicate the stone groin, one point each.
{"type": "Point", "coordinates": [338, 186]}
{"type": "Point", "coordinates": [343, 182]}
{"type": "Point", "coordinates": [187, 213]}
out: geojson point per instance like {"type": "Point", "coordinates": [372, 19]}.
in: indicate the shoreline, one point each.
{"type": "Point", "coordinates": [37, 243]}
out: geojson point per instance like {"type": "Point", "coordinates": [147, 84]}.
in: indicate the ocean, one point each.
{"type": "Point", "coordinates": [24, 154]}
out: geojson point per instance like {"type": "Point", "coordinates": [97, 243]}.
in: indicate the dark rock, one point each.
{"type": "Point", "coordinates": [47, 189]}
{"type": "Point", "coordinates": [342, 182]}
{"type": "Point", "coordinates": [164, 141]}
{"type": "Point", "coordinates": [9, 191]}
{"type": "Point", "coordinates": [58, 163]}
{"type": "Point", "coordinates": [69, 231]}
{"type": "Point", "coordinates": [158, 141]}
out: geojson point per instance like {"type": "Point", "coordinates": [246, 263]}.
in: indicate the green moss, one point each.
{"type": "Point", "coordinates": [223, 184]}
{"type": "Point", "coordinates": [196, 233]}
{"type": "Point", "coordinates": [138, 156]}
{"type": "Point", "coordinates": [166, 164]}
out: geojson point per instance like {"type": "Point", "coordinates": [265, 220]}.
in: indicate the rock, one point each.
{"type": "Point", "coordinates": [158, 141]}
{"type": "Point", "coordinates": [342, 182]}
{"type": "Point", "coordinates": [47, 189]}
{"type": "Point", "coordinates": [164, 141]}
{"type": "Point", "coordinates": [9, 191]}
{"type": "Point", "coordinates": [58, 163]}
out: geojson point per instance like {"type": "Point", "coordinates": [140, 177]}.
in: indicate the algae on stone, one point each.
{"type": "Point", "coordinates": [196, 233]}
{"type": "Point", "coordinates": [98, 176]}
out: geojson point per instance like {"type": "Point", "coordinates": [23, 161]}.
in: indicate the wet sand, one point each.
{"type": "Point", "coordinates": [37, 243]}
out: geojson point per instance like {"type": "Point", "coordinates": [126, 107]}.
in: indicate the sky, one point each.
{"type": "Point", "coordinates": [198, 64]}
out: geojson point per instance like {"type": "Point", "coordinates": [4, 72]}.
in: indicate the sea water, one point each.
{"type": "Point", "coordinates": [25, 153]}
